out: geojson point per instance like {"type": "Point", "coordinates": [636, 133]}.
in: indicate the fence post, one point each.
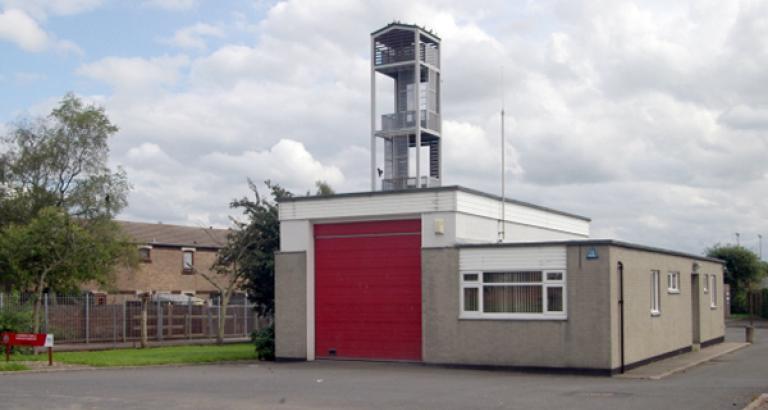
{"type": "Point", "coordinates": [188, 322]}
{"type": "Point", "coordinates": [159, 316]}
{"type": "Point", "coordinates": [245, 318]}
{"type": "Point", "coordinates": [210, 321]}
{"type": "Point", "coordinates": [125, 325]}
{"type": "Point", "coordinates": [46, 311]}
{"type": "Point", "coordinates": [87, 319]}
{"type": "Point", "coordinates": [114, 326]}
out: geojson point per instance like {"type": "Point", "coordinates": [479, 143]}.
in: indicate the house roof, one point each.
{"type": "Point", "coordinates": [174, 235]}
{"type": "Point", "coordinates": [405, 26]}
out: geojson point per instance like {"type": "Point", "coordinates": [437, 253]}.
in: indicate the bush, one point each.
{"type": "Point", "coordinates": [16, 320]}
{"type": "Point", "coordinates": [264, 340]}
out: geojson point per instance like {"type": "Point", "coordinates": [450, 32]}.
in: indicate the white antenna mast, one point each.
{"type": "Point", "coordinates": [502, 223]}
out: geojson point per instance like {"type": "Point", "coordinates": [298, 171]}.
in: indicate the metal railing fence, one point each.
{"type": "Point", "coordinates": [117, 318]}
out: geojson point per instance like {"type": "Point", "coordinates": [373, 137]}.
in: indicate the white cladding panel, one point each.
{"type": "Point", "coordinates": [295, 236]}
{"type": "Point", "coordinates": [490, 208]}
{"type": "Point", "coordinates": [476, 229]}
{"type": "Point", "coordinates": [369, 206]}
{"type": "Point", "coordinates": [509, 258]}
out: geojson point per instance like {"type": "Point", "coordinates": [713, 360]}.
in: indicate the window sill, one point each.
{"type": "Point", "coordinates": [673, 292]}
{"type": "Point", "coordinates": [513, 317]}
{"type": "Point", "coordinates": [655, 314]}
{"type": "Point", "coordinates": [712, 307]}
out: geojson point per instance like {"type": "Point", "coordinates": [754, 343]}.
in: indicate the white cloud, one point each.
{"type": "Point", "coordinates": [136, 74]}
{"type": "Point", "coordinates": [288, 163]}
{"type": "Point", "coordinates": [17, 27]}
{"type": "Point", "coordinates": [40, 9]}
{"type": "Point", "coordinates": [193, 37]}
{"type": "Point", "coordinates": [172, 5]}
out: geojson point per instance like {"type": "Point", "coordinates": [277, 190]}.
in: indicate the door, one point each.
{"type": "Point", "coordinates": [368, 290]}
{"type": "Point", "coordinates": [695, 306]}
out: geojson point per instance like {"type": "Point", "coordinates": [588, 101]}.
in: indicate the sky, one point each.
{"type": "Point", "coordinates": [650, 117]}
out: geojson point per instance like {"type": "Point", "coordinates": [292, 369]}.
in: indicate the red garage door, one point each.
{"type": "Point", "coordinates": [368, 290]}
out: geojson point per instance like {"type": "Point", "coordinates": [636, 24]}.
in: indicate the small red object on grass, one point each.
{"type": "Point", "coordinates": [11, 339]}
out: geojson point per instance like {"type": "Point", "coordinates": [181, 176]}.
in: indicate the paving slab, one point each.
{"type": "Point", "coordinates": [667, 367]}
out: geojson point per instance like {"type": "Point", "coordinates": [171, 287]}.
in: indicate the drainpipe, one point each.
{"type": "Point", "coordinates": [620, 269]}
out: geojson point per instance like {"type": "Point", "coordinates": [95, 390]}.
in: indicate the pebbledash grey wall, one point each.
{"type": "Point", "coordinates": [647, 336]}
{"type": "Point", "coordinates": [580, 342]}
{"type": "Point", "coordinates": [291, 305]}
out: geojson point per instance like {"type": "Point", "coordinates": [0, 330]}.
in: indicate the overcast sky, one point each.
{"type": "Point", "coordinates": [650, 118]}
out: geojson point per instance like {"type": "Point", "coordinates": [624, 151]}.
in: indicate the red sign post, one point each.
{"type": "Point", "coordinates": [11, 339]}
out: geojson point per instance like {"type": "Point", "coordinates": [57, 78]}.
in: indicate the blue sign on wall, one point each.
{"type": "Point", "coordinates": [592, 253]}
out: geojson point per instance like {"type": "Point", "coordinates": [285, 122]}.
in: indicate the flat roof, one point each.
{"type": "Point", "coordinates": [406, 26]}
{"type": "Point", "coordinates": [434, 189]}
{"type": "Point", "coordinates": [593, 242]}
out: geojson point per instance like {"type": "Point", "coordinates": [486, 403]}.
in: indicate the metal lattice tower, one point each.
{"type": "Point", "coordinates": [411, 132]}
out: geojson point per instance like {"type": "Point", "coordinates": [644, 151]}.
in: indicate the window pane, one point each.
{"type": "Point", "coordinates": [187, 260]}
{"type": "Point", "coordinates": [554, 275]}
{"type": "Point", "coordinates": [471, 277]}
{"type": "Point", "coordinates": [471, 302]}
{"type": "Point", "coordinates": [512, 299]}
{"type": "Point", "coordinates": [511, 277]}
{"type": "Point", "coordinates": [554, 299]}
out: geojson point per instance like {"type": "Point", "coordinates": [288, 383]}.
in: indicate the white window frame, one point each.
{"type": "Point", "coordinates": [673, 282]}
{"type": "Point", "coordinates": [706, 283]}
{"type": "Point", "coordinates": [655, 293]}
{"type": "Point", "coordinates": [713, 292]}
{"type": "Point", "coordinates": [545, 285]}
{"type": "Point", "coordinates": [184, 252]}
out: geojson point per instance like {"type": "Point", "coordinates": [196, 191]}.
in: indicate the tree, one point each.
{"type": "Point", "coordinates": [743, 269]}
{"type": "Point", "coordinates": [57, 197]}
{"type": "Point", "coordinates": [323, 189]}
{"type": "Point", "coordinates": [57, 252]}
{"type": "Point", "coordinates": [61, 161]}
{"type": "Point", "coordinates": [253, 248]}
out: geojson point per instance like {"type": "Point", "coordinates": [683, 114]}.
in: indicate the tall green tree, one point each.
{"type": "Point", "coordinates": [252, 246]}
{"type": "Point", "coordinates": [61, 161]}
{"type": "Point", "coordinates": [743, 270]}
{"type": "Point", "coordinates": [57, 196]}
{"type": "Point", "coordinates": [55, 251]}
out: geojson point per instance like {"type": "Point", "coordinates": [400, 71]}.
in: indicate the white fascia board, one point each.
{"type": "Point", "coordinates": [369, 206]}
{"type": "Point", "coordinates": [521, 214]}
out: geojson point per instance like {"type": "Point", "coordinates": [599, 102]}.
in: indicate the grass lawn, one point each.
{"type": "Point", "coordinates": [151, 356]}
{"type": "Point", "coordinates": [12, 367]}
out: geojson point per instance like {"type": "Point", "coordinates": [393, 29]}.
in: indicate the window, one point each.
{"type": "Point", "coordinates": [706, 283]}
{"type": "Point", "coordinates": [713, 293]}
{"type": "Point", "coordinates": [188, 260]}
{"type": "Point", "coordinates": [673, 282]}
{"type": "Point", "coordinates": [655, 293]}
{"type": "Point", "coordinates": [513, 295]}
{"type": "Point", "coordinates": [145, 254]}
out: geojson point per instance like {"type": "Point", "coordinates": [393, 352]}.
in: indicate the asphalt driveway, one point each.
{"type": "Point", "coordinates": [728, 382]}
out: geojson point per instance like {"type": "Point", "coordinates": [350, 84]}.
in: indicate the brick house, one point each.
{"type": "Point", "coordinates": [170, 259]}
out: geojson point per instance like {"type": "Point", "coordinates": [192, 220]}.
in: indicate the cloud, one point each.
{"type": "Point", "coordinates": [40, 9]}
{"type": "Point", "coordinates": [193, 37]}
{"type": "Point", "coordinates": [171, 5]}
{"type": "Point", "coordinates": [135, 74]}
{"type": "Point", "coordinates": [17, 27]}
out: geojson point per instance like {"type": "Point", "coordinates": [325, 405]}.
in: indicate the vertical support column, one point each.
{"type": "Point", "coordinates": [373, 114]}
{"type": "Point", "coordinates": [45, 296]}
{"type": "Point", "coordinates": [125, 325]}
{"type": "Point", "coordinates": [87, 318]}
{"type": "Point", "coordinates": [245, 318]}
{"type": "Point", "coordinates": [159, 319]}
{"type": "Point", "coordinates": [417, 102]}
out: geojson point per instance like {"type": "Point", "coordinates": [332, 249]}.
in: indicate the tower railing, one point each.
{"type": "Point", "coordinates": [407, 119]}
